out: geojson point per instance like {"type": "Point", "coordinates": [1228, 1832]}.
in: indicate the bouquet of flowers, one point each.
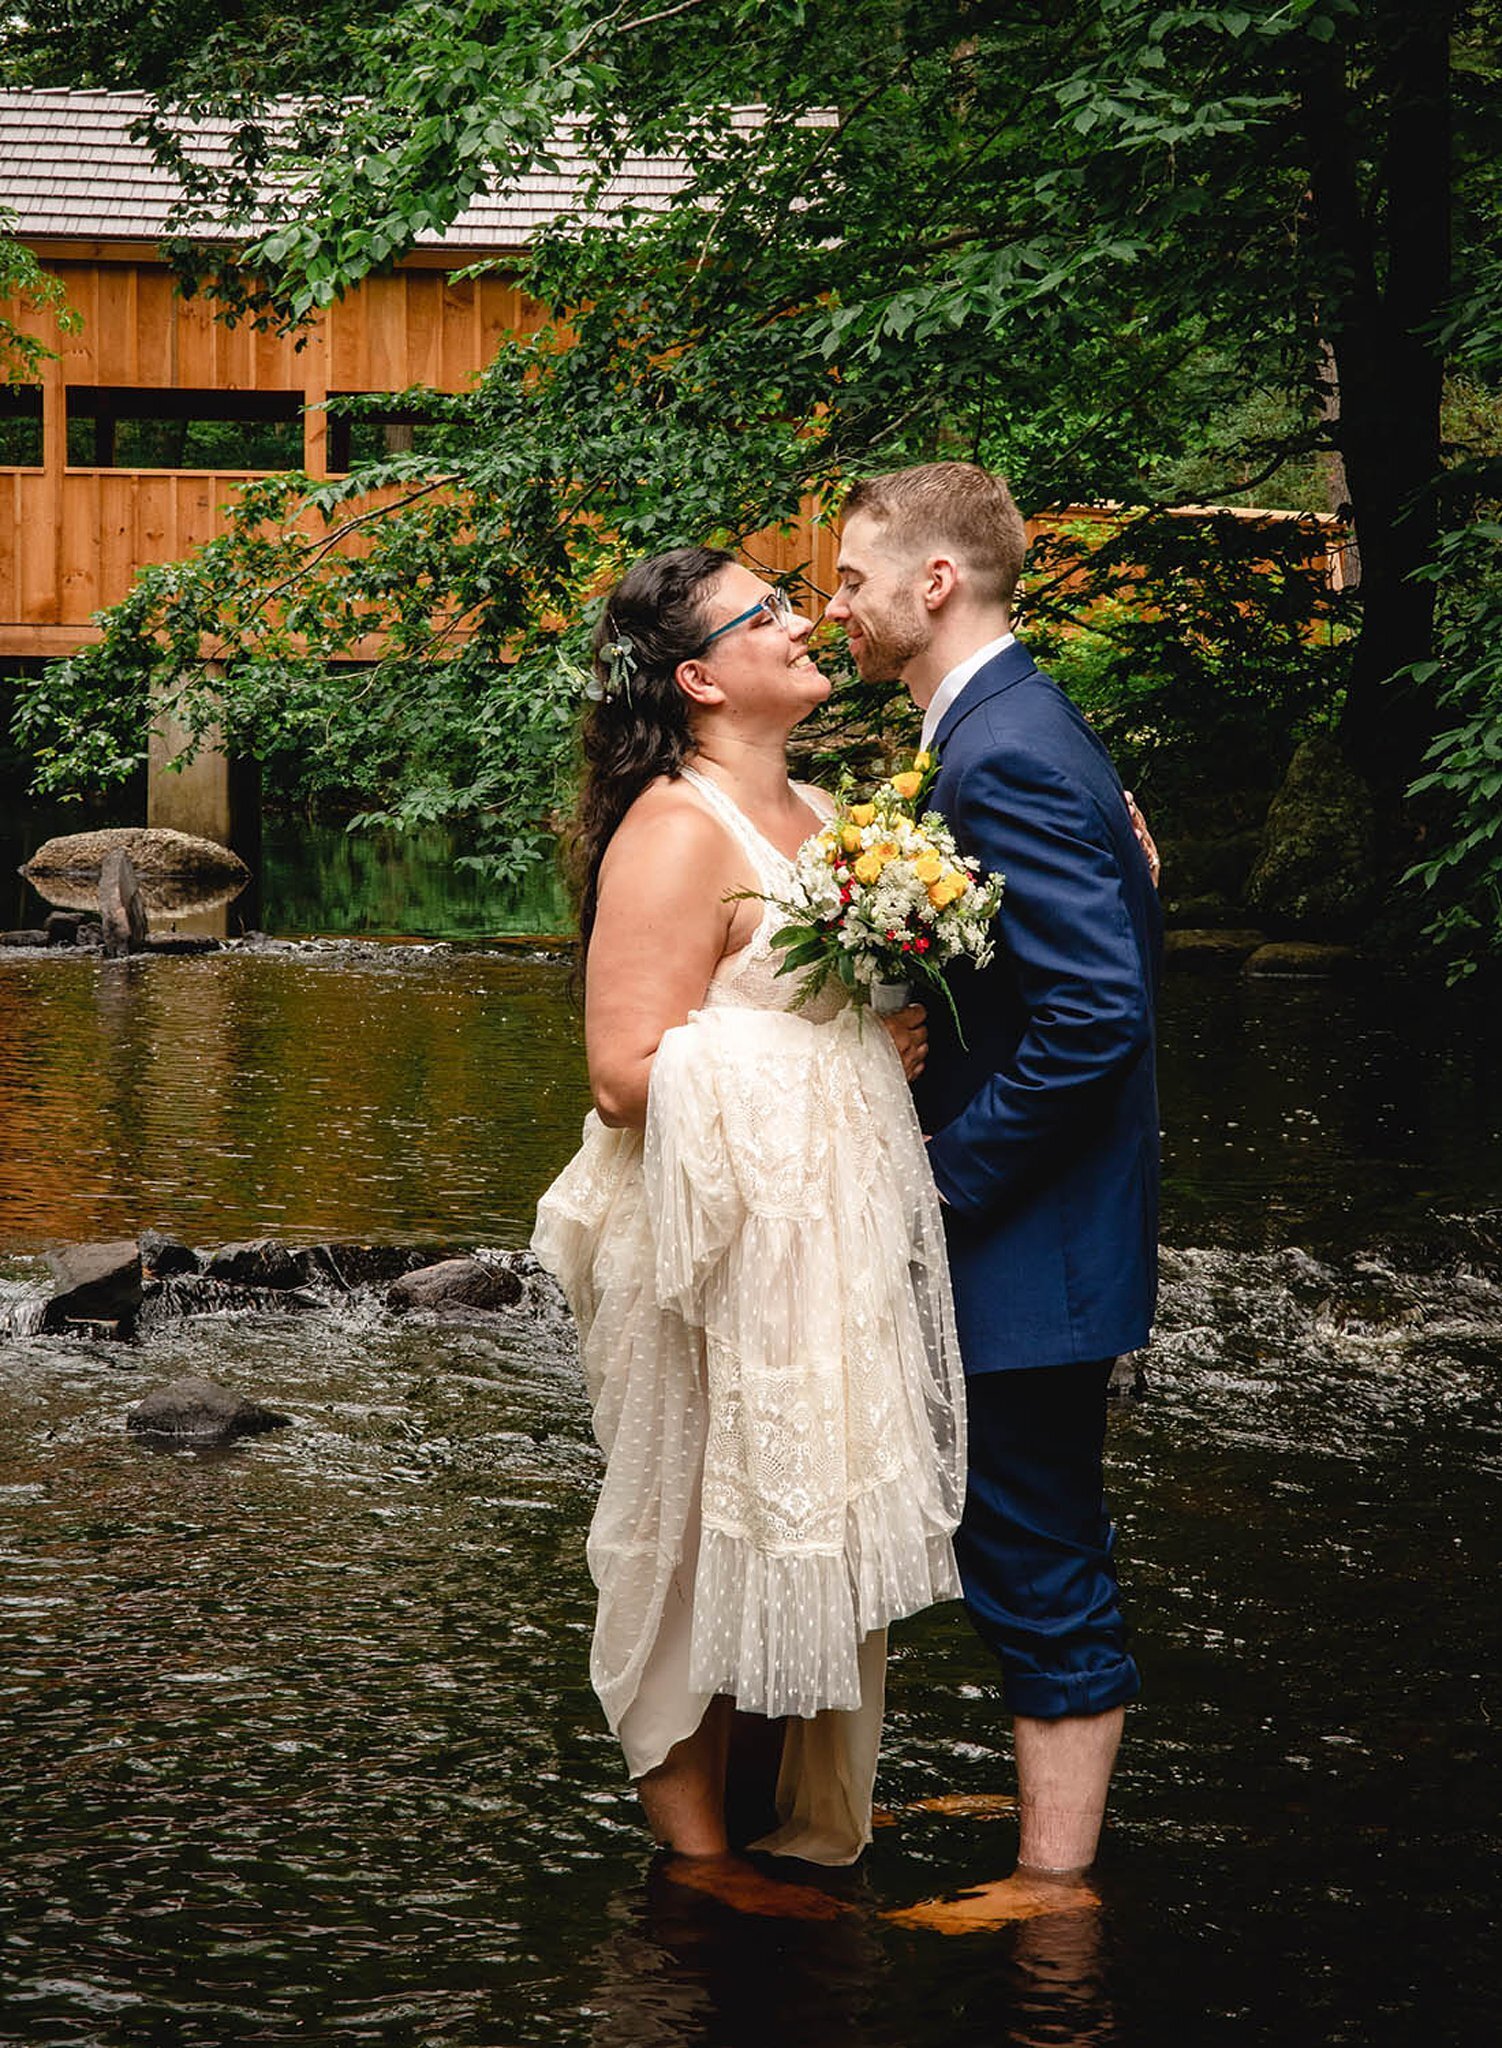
{"type": "Point", "coordinates": [882, 898]}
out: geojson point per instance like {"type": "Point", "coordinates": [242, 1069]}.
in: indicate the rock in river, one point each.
{"type": "Point", "coordinates": [457, 1283]}
{"type": "Point", "coordinates": [1210, 952]}
{"type": "Point", "coordinates": [164, 1257]}
{"type": "Point", "coordinates": [1297, 957]}
{"type": "Point", "coordinates": [154, 851]}
{"type": "Point", "coordinates": [177, 872]}
{"type": "Point", "coordinates": [122, 914]}
{"type": "Point", "coordinates": [203, 1411]}
{"type": "Point", "coordinates": [96, 1283]}
{"type": "Point", "coordinates": [261, 1262]}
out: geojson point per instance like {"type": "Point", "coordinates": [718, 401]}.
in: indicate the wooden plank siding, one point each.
{"type": "Point", "coordinates": [74, 537]}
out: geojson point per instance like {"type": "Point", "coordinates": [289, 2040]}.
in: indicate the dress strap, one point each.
{"type": "Point", "coordinates": [767, 861]}
{"type": "Point", "coordinates": [819, 801]}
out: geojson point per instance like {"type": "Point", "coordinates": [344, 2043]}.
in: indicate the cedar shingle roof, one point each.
{"type": "Point", "coordinates": [69, 168]}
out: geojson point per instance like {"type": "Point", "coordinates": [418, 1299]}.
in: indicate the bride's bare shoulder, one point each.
{"type": "Point", "coordinates": [668, 818]}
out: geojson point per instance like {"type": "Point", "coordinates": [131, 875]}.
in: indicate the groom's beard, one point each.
{"type": "Point", "coordinates": [890, 642]}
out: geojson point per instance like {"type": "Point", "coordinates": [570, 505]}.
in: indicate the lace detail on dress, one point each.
{"type": "Point", "coordinates": [796, 1225]}
{"type": "Point", "coordinates": [762, 1295]}
{"type": "Point", "coordinates": [749, 979]}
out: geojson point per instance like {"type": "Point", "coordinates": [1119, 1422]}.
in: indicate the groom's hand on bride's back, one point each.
{"type": "Point", "coordinates": [909, 1029]}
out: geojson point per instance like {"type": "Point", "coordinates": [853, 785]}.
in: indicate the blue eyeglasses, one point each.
{"type": "Point", "coordinates": [776, 607]}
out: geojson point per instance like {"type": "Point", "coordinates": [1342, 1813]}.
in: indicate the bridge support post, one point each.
{"type": "Point", "coordinates": [213, 797]}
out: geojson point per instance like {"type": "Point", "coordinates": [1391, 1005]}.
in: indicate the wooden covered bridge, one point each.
{"type": "Point", "coordinates": [152, 414]}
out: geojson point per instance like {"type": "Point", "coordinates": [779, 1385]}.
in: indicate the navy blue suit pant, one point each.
{"type": "Point", "coordinates": [1035, 1546]}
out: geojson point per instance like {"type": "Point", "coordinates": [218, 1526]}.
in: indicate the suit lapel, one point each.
{"type": "Point", "coordinates": [1002, 672]}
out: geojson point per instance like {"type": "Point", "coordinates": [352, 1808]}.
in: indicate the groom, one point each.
{"type": "Point", "coordinates": [1043, 1124]}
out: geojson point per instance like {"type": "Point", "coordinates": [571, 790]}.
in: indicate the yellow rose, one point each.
{"type": "Point", "coordinates": [868, 868]}
{"type": "Point", "coordinates": [862, 814]}
{"type": "Point", "coordinates": [922, 762]}
{"type": "Point", "coordinates": [850, 839]}
{"type": "Point", "coordinates": [928, 867]}
{"type": "Point", "coordinates": [907, 785]}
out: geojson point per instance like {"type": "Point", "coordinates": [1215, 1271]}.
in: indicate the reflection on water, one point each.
{"type": "Point", "coordinates": [401, 1092]}
{"type": "Point", "coordinates": [313, 878]}
{"type": "Point", "coordinates": [320, 878]}
{"type": "Point", "coordinates": [389, 1094]}
{"type": "Point", "coordinates": [298, 1738]}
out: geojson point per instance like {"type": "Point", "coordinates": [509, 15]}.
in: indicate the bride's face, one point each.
{"type": "Point", "coordinates": [753, 664]}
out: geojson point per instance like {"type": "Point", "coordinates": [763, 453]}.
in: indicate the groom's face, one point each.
{"type": "Point", "coordinates": [877, 603]}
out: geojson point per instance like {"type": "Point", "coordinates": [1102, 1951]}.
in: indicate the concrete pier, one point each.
{"type": "Point", "coordinates": [213, 797]}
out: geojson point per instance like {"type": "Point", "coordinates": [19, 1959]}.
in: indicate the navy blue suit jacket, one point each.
{"type": "Point", "coordinates": [1044, 1124]}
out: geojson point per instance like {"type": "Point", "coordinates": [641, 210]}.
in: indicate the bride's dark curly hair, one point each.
{"type": "Point", "coordinates": [639, 729]}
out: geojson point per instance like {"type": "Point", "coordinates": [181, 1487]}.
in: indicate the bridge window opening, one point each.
{"type": "Point", "coordinates": [377, 432]}
{"type": "Point", "coordinates": [114, 427]}
{"type": "Point", "coordinates": [20, 426]}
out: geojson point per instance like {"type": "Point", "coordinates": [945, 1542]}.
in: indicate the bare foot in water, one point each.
{"type": "Point", "coordinates": [740, 1885]}
{"type": "Point", "coordinates": [1025, 1895]}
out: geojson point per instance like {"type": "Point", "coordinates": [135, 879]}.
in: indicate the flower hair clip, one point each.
{"type": "Point", "coordinates": [619, 657]}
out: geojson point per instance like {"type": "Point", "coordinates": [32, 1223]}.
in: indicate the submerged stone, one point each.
{"type": "Point", "coordinates": [199, 1408]}
{"type": "Point", "coordinates": [195, 1294]}
{"type": "Point", "coordinates": [1304, 957]}
{"type": "Point", "coordinates": [1210, 952]}
{"type": "Point", "coordinates": [372, 1265]}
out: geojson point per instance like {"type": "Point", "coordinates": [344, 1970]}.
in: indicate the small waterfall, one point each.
{"type": "Point", "coordinates": [22, 1309]}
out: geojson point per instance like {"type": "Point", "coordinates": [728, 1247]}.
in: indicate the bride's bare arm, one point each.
{"type": "Point", "coordinates": [661, 926]}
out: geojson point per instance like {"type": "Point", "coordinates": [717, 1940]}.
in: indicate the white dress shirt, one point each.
{"type": "Point", "coordinates": [954, 682]}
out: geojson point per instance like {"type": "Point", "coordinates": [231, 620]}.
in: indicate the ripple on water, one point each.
{"type": "Point", "coordinates": [298, 1735]}
{"type": "Point", "coordinates": [302, 1735]}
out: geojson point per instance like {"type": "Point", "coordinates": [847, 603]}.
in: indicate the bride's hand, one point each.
{"type": "Point", "coordinates": [910, 1036]}
{"type": "Point", "coordinates": [1144, 837]}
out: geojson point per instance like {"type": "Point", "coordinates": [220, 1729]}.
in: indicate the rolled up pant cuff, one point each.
{"type": "Point", "coordinates": [1080, 1692]}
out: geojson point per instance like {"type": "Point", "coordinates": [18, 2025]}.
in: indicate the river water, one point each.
{"type": "Point", "coordinates": [298, 1742]}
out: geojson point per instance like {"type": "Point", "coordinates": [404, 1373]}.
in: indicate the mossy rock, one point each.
{"type": "Point", "coordinates": [154, 852]}
{"type": "Point", "coordinates": [1318, 873]}
{"type": "Point", "coordinates": [1210, 952]}
{"type": "Point", "coordinates": [1303, 958]}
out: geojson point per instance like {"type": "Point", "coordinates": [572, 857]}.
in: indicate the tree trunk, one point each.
{"type": "Point", "coordinates": [1389, 261]}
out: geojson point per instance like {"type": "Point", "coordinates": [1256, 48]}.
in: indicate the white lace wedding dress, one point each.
{"type": "Point", "coordinates": [768, 1340]}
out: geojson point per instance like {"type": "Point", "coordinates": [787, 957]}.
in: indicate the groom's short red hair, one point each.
{"type": "Point", "coordinates": [953, 505]}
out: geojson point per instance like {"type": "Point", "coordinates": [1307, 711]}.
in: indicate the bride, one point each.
{"type": "Point", "coordinates": [750, 1242]}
